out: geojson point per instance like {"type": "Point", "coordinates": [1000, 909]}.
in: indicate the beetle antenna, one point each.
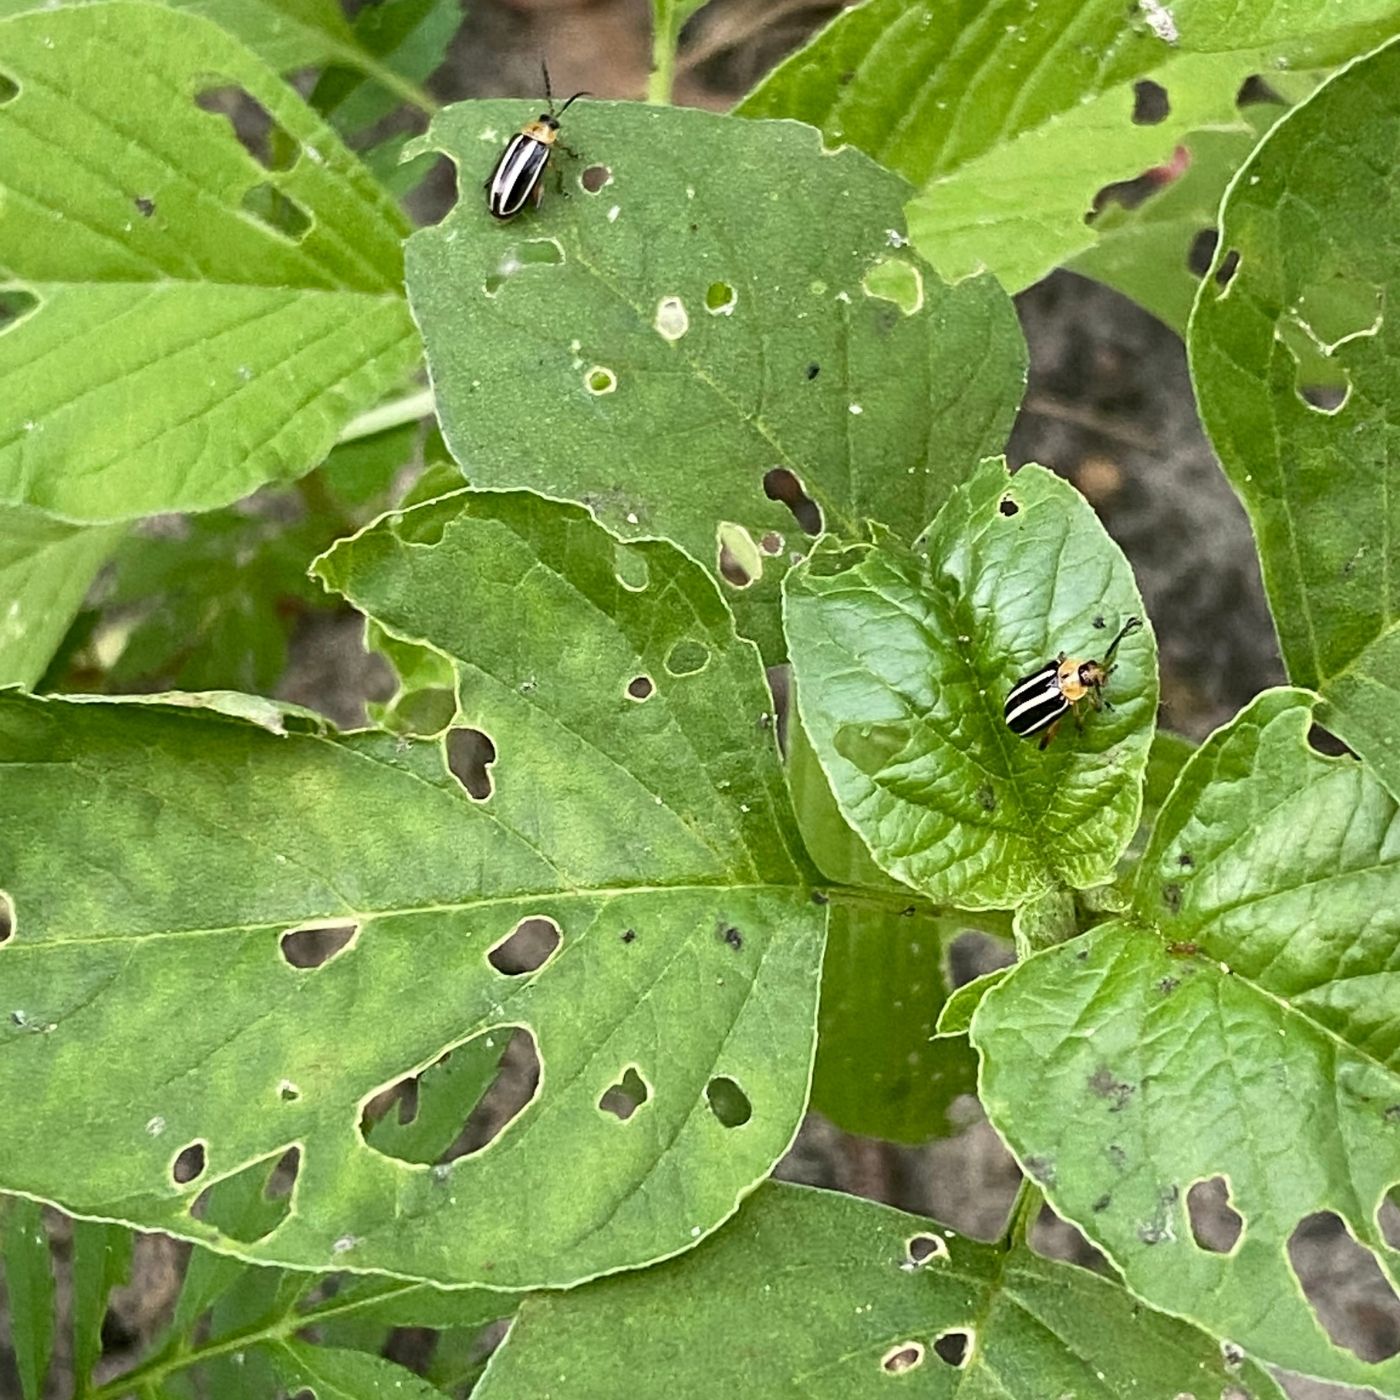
{"type": "Point", "coordinates": [572, 100]}
{"type": "Point", "coordinates": [548, 92]}
{"type": "Point", "coordinates": [1131, 625]}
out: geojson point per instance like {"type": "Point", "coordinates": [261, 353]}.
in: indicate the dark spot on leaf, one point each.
{"type": "Point", "coordinates": [1008, 506]}
{"type": "Point", "coordinates": [15, 304]}
{"type": "Point", "coordinates": [594, 178]}
{"type": "Point", "coordinates": [145, 207]}
{"type": "Point", "coordinates": [1150, 103]}
{"type": "Point", "coordinates": [288, 1092]}
{"type": "Point", "coordinates": [1183, 949]}
{"type": "Point", "coordinates": [315, 947]}
{"type": "Point", "coordinates": [189, 1165]}
{"type": "Point", "coordinates": [258, 133]}
{"type": "Point", "coordinates": [1100, 623]}
{"type": "Point", "coordinates": [629, 935]}
{"type": "Point", "coordinates": [1392, 1114]}
{"type": "Point", "coordinates": [1082, 955]}
{"type": "Point", "coordinates": [271, 208]}
{"type": "Point", "coordinates": [771, 543]}
{"type": "Point", "coordinates": [1042, 1169]}
{"type": "Point", "coordinates": [1167, 986]}
{"type": "Point", "coordinates": [1171, 897]}
{"type": "Point", "coordinates": [1363, 1317]}
{"type": "Point", "coordinates": [470, 754]}
{"type": "Point", "coordinates": [640, 687]}
{"type": "Point", "coordinates": [1104, 1085]}
{"type": "Point", "coordinates": [687, 657]}
{"type": "Point", "coordinates": [1101, 1205]}
{"type": "Point", "coordinates": [904, 1357]}
{"type": "Point", "coordinates": [1254, 91]}
{"type": "Point", "coordinates": [9, 89]}
{"type": "Point", "coordinates": [728, 1102]}
{"type": "Point", "coordinates": [733, 937]}
{"type": "Point", "coordinates": [1117, 1156]}
{"type": "Point", "coordinates": [952, 1347]}
{"type": "Point", "coordinates": [625, 1097]}
{"type": "Point", "coordinates": [813, 370]}
{"type": "Point", "coordinates": [987, 797]}
{"type": "Point", "coordinates": [1186, 860]}
{"type": "Point", "coordinates": [527, 948]}
{"type": "Point", "coordinates": [820, 897]}
{"type": "Point", "coordinates": [779, 484]}
{"type": "Point", "coordinates": [1215, 1224]}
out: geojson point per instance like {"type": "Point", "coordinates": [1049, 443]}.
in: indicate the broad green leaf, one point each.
{"type": "Point", "coordinates": [29, 1289]}
{"type": "Point", "coordinates": [1318, 262]}
{"type": "Point", "coordinates": [955, 1018]}
{"type": "Point", "coordinates": [1010, 115]}
{"type": "Point", "coordinates": [814, 1294]}
{"type": "Point", "coordinates": [101, 1259]}
{"type": "Point", "coordinates": [879, 1071]}
{"type": "Point", "coordinates": [1165, 760]}
{"type": "Point", "coordinates": [46, 567]}
{"type": "Point", "coordinates": [179, 342]}
{"type": "Point", "coordinates": [333, 1373]}
{"type": "Point", "coordinates": [903, 660]}
{"type": "Point", "coordinates": [688, 946]}
{"type": "Point", "coordinates": [659, 349]}
{"type": "Point", "coordinates": [1239, 1023]}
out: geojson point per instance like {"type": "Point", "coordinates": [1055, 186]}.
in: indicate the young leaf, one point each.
{"type": "Point", "coordinates": [1294, 363]}
{"type": "Point", "coordinates": [903, 661]}
{"type": "Point", "coordinates": [29, 1286]}
{"type": "Point", "coordinates": [814, 1294]}
{"type": "Point", "coordinates": [46, 567]}
{"type": "Point", "coordinates": [685, 945]}
{"type": "Point", "coordinates": [194, 318]}
{"type": "Point", "coordinates": [1238, 1024]}
{"type": "Point", "coordinates": [333, 1373]}
{"type": "Point", "coordinates": [711, 334]}
{"type": "Point", "coordinates": [101, 1261]}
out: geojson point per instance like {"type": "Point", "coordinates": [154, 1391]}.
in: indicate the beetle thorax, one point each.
{"type": "Point", "coordinates": [546, 130]}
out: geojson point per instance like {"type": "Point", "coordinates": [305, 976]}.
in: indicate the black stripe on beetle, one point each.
{"type": "Point", "coordinates": [1037, 702]}
{"type": "Point", "coordinates": [521, 166]}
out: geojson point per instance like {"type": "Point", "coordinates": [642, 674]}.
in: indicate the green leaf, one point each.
{"type": "Point", "coordinates": [101, 1260]}
{"type": "Point", "coordinates": [1240, 1024]}
{"type": "Point", "coordinates": [197, 323]}
{"type": "Point", "coordinates": [903, 661]}
{"type": "Point", "coordinates": [879, 1072]}
{"type": "Point", "coordinates": [1165, 760]}
{"type": "Point", "coordinates": [46, 567]}
{"type": "Point", "coordinates": [29, 1287]}
{"type": "Point", "coordinates": [688, 946]}
{"type": "Point", "coordinates": [814, 1294]}
{"type": "Point", "coordinates": [336, 1374]}
{"type": "Point", "coordinates": [1319, 259]}
{"type": "Point", "coordinates": [1010, 115]}
{"type": "Point", "coordinates": [660, 349]}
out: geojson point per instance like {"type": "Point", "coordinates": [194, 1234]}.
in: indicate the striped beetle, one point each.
{"type": "Point", "coordinates": [1038, 702]}
{"type": "Point", "coordinates": [517, 174]}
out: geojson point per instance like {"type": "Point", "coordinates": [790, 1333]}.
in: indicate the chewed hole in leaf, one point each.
{"type": "Point", "coordinates": [893, 279]}
{"type": "Point", "coordinates": [781, 485]}
{"type": "Point", "coordinates": [903, 1356]}
{"type": "Point", "coordinates": [721, 299]}
{"type": "Point", "coordinates": [189, 1165]}
{"type": "Point", "coordinates": [740, 560]}
{"type": "Point", "coordinates": [640, 688]}
{"type": "Point", "coordinates": [631, 568]}
{"type": "Point", "coordinates": [249, 1205]}
{"type": "Point", "coordinates": [1225, 272]}
{"type": "Point", "coordinates": [470, 754]}
{"type": "Point", "coordinates": [526, 948]}
{"type": "Point", "coordinates": [257, 131]}
{"type": "Point", "coordinates": [15, 304]}
{"type": "Point", "coordinates": [271, 208]}
{"type": "Point", "coordinates": [672, 321]}
{"type": "Point", "coordinates": [953, 1347]}
{"type": "Point", "coordinates": [600, 380]}
{"type": "Point", "coordinates": [687, 658]}
{"type": "Point", "coordinates": [1326, 743]}
{"type": "Point", "coordinates": [1150, 103]}
{"type": "Point", "coordinates": [1349, 1294]}
{"type": "Point", "coordinates": [514, 1086]}
{"type": "Point", "coordinates": [595, 178]}
{"type": "Point", "coordinates": [625, 1097]}
{"type": "Point", "coordinates": [1255, 91]}
{"type": "Point", "coordinates": [316, 946]}
{"type": "Point", "coordinates": [921, 1248]}
{"type": "Point", "coordinates": [425, 712]}
{"type": "Point", "coordinates": [1216, 1225]}
{"type": "Point", "coordinates": [1201, 252]}
{"type": "Point", "coordinates": [1325, 398]}
{"type": "Point", "coordinates": [423, 526]}
{"type": "Point", "coordinates": [1008, 507]}
{"type": "Point", "coordinates": [7, 917]}
{"type": "Point", "coordinates": [283, 1175]}
{"type": "Point", "coordinates": [9, 89]}
{"type": "Point", "coordinates": [728, 1102]}
{"type": "Point", "coordinates": [1388, 1215]}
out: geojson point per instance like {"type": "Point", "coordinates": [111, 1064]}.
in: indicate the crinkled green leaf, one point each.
{"type": "Point", "coordinates": [178, 349]}
{"type": "Point", "coordinates": [29, 1290]}
{"type": "Point", "coordinates": [182, 845]}
{"type": "Point", "coordinates": [654, 350]}
{"type": "Point", "coordinates": [903, 660]}
{"type": "Point", "coordinates": [814, 1294]}
{"type": "Point", "coordinates": [1011, 115]}
{"type": "Point", "coordinates": [1319, 261]}
{"type": "Point", "coordinates": [1239, 1023]}
{"type": "Point", "coordinates": [46, 567]}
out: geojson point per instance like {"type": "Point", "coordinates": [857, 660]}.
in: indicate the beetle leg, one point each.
{"type": "Point", "coordinates": [1049, 735]}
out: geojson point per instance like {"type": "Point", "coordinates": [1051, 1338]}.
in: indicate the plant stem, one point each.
{"type": "Point", "coordinates": [665, 36]}
{"type": "Point", "coordinates": [1025, 1210]}
{"type": "Point", "coordinates": [405, 89]}
{"type": "Point", "coordinates": [392, 414]}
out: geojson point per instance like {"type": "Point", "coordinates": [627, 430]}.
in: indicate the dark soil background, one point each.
{"type": "Point", "coordinates": [1109, 407]}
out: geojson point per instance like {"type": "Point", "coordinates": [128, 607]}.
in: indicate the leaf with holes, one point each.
{"type": "Point", "coordinates": [347, 914]}
{"type": "Point", "coordinates": [46, 567]}
{"type": "Point", "coordinates": [1010, 116]}
{"type": "Point", "coordinates": [726, 349]}
{"type": "Point", "coordinates": [188, 318]}
{"type": "Point", "coordinates": [1294, 361]}
{"type": "Point", "coordinates": [1238, 1024]}
{"type": "Point", "coordinates": [903, 660]}
{"type": "Point", "coordinates": [823, 1295]}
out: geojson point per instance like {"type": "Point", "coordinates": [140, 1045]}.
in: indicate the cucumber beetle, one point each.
{"type": "Point", "coordinates": [1038, 702]}
{"type": "Point", "coordinates": [520, 168]}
